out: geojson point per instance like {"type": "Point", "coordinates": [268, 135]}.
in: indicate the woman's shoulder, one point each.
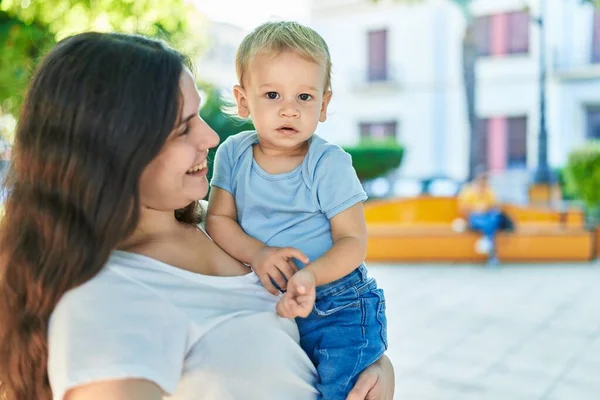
{"type": "Point", "coordinates": [110, 295]}
{"type": "Point", "coordinates": [113, 327]}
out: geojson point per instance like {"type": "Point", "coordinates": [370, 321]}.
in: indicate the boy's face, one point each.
{"type": "Point", "coordinates": [286, 97]}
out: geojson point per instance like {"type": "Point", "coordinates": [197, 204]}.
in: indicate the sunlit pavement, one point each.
{"type": "Point", "coordinates": [516, 332]}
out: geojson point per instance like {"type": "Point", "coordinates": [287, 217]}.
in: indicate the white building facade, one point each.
{"type": "Point", "coordinates": [216, 65]}
{"type": "Point", "coordinates": [398, 73]}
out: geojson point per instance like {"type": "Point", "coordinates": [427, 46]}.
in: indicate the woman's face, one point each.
{"type": "Point", "coordinates": [177, 175]}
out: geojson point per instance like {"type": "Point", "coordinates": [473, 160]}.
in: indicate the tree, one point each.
{"type": "Point", "coordinates": [165, 18]}
{"type": "Point", "coordinates": [28, 28]}
{"type": "Point", "coordinates": [22, 44]}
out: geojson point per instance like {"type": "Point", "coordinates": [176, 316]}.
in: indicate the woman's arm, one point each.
{"type": "Point", "coordinates": [377, 382]}
{"type": "Point", "coordinates": [125, 389]}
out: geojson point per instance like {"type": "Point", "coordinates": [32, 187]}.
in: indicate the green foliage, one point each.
{"type": "Point", "coordinates": [21, 44]}
{"type": "Point", "coordinates": [566, 191]}
{"type": "Point", "coordinates": [582, 174]}
{"type": "Point", "coordinates": [66, 17]}
{"type": "Point", "coordinates": [374, 158]}
{"type": "Point", "coordinates": [28, 28]}
{"type": "Point", "coordinates": [225, 125]}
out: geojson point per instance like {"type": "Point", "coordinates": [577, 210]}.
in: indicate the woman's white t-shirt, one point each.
{"type": "Point", "coordinates": [196, 336]}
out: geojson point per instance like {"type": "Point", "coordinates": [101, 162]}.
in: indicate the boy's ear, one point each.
{"type": "Point", "coordinates": [324, 105]}
{"type": "Point", "coordinates": [242, 103]}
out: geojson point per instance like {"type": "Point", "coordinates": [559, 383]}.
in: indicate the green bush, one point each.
{"type": "Point", "coordinates": [566, 191]}
{"type": "Point", "coordinates": [374, 158]}
{"type": "Point", "coordinates": [582, 175]}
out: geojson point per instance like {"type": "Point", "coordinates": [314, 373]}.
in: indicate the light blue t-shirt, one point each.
{"type": "Point", "coordinates": [293, 208]}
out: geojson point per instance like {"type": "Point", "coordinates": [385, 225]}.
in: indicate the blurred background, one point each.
{"type": "Point", "coordinates": [427, 93]}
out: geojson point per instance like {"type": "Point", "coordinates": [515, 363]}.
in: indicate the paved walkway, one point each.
{"type": "Point", "coordinates": [521, 332]}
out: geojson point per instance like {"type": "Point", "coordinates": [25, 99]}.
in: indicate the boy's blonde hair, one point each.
{"type": "Point", "coordinates": [274, 38]}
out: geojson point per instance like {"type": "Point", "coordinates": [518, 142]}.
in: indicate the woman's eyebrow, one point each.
{"type": "Point", "coordinates": [187, 119]}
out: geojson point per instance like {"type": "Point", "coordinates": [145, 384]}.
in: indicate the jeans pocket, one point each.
{"type": "Point", "coordinates": [381, 317]}
{"type": "Point", "coordinates": [333, 304]}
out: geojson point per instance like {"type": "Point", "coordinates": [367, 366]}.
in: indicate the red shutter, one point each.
{"type": "Point", "coordinates": [497, 144]}
{"type": "Point", "coordinates": [499, 34]}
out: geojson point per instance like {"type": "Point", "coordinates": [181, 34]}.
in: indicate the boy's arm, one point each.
{"type": "Point", "coordinates": [223, 228]}
{"type": "Point", "coordinates": [349, 234]}
{"type": "Point", "coordinates": [269, 263]}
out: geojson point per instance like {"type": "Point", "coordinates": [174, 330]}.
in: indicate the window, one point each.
{"type": "Point", "coordinates": [502, 142]}
{"type": "Point", "coordinates": [596, 39]}
{"type": "Point", "coordinates": [482, 148]}
{"type": "Point", "coordinates": [593, 122]}
{"type": "Point", "coordinates": [518, 33]}
{"type": "Point", "coordinates": [483, 35]}
{"type": "Point", "coordinates": [517, 142]}
{"type": "Point", "coordinates": [378, 62]}
{"type": "Point", "coordinates": [501, 34]}
{"type": "Point", "coordinates": [378, 130]}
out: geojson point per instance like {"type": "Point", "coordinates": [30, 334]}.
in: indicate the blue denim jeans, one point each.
{"type": "Point", "coordinates": [487, 222]}
{"type": "Point", "coordinates": [345, 333]}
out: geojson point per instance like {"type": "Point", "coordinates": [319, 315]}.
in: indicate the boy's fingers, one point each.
{"type": "Point", "coordinates": [278, 278]}
{"type": "Point", "coordinates": [288, 269]}
{"type": "Point", "coordinates": [297, 254]}
{"type": "Point", "coordinates": [304, 300]}
{"type": "Point", "coordinates": [301, 289]}
{"type": "Point", "coordinates": [265, 279]}
{"type": "Point", "coordinates": [286, 307]}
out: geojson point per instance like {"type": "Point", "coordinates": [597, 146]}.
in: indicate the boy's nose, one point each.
{"type": "Point", "coordinates": [289, 111]}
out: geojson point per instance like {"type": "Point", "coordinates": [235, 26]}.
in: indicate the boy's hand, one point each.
{"type": "Point", "coordinates": [276, 263]}
{"type": "Point", "coordinates": [299, 299]}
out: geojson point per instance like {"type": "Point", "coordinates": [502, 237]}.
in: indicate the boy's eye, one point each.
{"type": "Point", "coordinates": [305, 97]}
{"type": "Point", "coordinates": [272, 95]}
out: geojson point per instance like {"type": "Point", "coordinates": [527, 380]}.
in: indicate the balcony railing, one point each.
{"type": "Point", "coordinates": [567, 67]}
{"type": "Point", "coordinates": [372, 78]}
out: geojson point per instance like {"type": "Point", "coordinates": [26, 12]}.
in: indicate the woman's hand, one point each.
{"type": "Point", "coordinates": [376, 382]}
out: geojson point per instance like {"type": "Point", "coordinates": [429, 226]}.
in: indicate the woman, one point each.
{"type": "Point", "coordinates": [108, 289]}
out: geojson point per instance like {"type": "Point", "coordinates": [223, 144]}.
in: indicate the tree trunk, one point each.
{"type": "Point", "coordinates": [469, 59]}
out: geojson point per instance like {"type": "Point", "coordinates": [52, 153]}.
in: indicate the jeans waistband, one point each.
{"type": "Point", "coordinates": [359, 275]}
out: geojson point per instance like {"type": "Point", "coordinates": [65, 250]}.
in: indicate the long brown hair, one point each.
{"type": "Point", "coordinates": [98, 110]}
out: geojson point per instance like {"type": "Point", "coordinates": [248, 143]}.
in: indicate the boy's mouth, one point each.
{"type": "Point", "coordinates": [287, 129]}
